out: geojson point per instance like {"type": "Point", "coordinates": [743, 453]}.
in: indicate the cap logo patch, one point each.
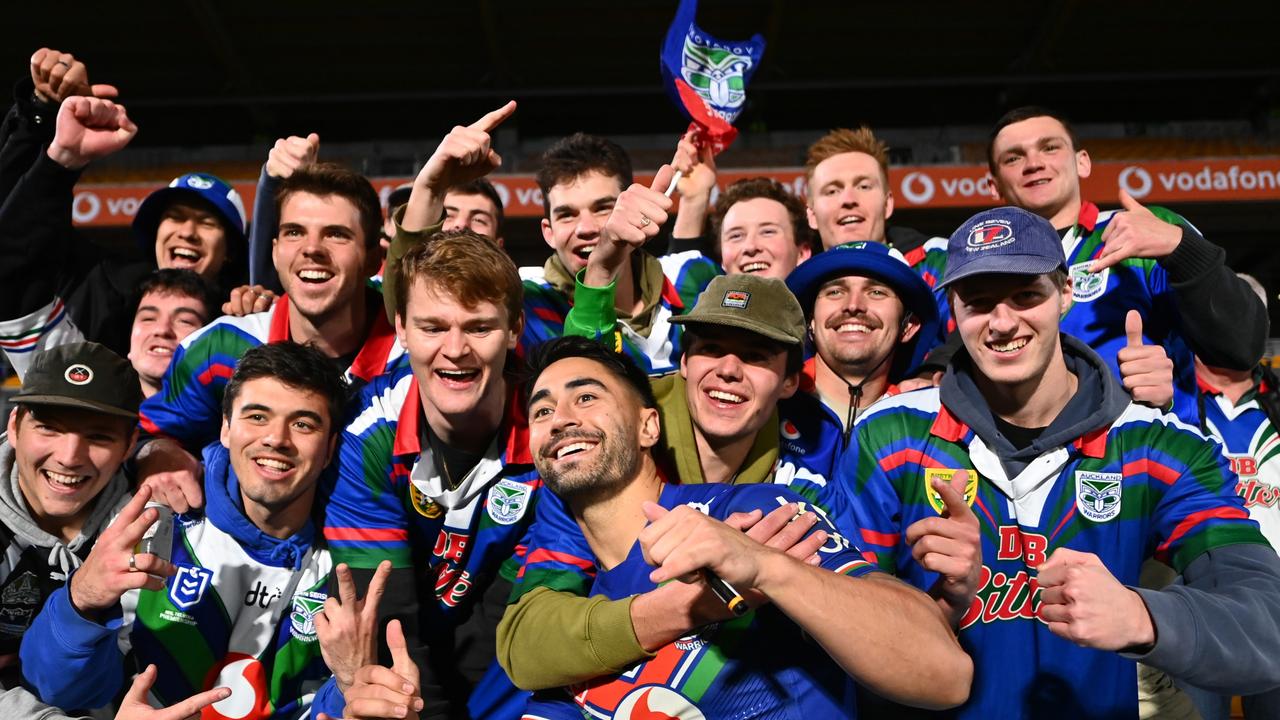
{"type": "Point", "coordinates": [736, 299]}
{"type": "Point", "coordinates": [989, 234]}
{"type": "Point", "coordinates": [199, 183]}
{"type": "Point", "coordinates": [78, 375]}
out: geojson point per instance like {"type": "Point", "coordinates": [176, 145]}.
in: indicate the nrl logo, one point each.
{"type": "Point", "coordinates": [302, 618]}
{"type": "Point", "coordinates": [717, 74]}
{"type": "Point", "coordinates": [1098, 495]}
{"type": "Point", "coordinates": [1086, 286]}
{"type": "Point", "coordinates": [507, 501]}
{"type": "Point", "coordinates": [188, 586]}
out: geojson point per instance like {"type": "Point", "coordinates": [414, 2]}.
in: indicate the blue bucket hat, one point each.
{"type": "Point", "coordinates": [209, 188]}
{"type": "Point", "coordinates": [863, 258]}
{"type": "Point", "coordinates": [1004, 240]}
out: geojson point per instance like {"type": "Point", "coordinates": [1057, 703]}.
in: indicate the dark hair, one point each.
{"type": "Point", "coordinates": [795, 353]}
{"type": "Point", "coordinates": [577, 155]}
{"type": "Point", "coordinates": [171, 281]}
{"type": "Point", "coordinates": [327, 179]}
{"type": "Point", "coordinates": [769, 189]}
{"type": "Point", "coordinates": [1026, 112]}
{"type": "Point", "coordinates": [467, 266]}
{"type": "Point", "coordinates": [481, 186]}
{"type": "Point", "coordinates": [301, 367]}
{"type": "Point", "coordinates": [573, 346]}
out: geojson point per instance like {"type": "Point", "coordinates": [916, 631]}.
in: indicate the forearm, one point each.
{"type": "Point", "coordinates": [593, 314]}
{"type": "Point", "coordinates": [35, 221]}
{"type": "Point", "coordinates": [1224, 321]}
{"type": "Point", "coordinates": [26, 128]}
{"type": "Point", "coordinates": [690, 217]}
{"type": "Point", "coordinates": [265, 225]}
{"type": "Point", "coordinates": [886, 635]}
{"type": "Point", "coordinates": [592, 637]}
{"type": "Point", "coordinates": [1220, 630]}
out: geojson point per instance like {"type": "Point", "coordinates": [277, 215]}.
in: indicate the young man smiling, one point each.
{"type": "Point", "coordinates": [1073, 485]}
{"type": "Point", "coordinates": [249, 573]}
{"type": "Point", "coordinates": [75, 423]}
{"type": "Point", "coordinates": [761, 229]}
{"type": "Point", "coordinates": [325, 249]}
{"type": "Point", "coordinates": [593, 424]}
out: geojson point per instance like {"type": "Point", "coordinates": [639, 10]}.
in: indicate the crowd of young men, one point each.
{"type": "Point", "coordinates": [759, 473]}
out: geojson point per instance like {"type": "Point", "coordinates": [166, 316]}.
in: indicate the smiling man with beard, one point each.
{"type": "Point", "coordinates": [325, 249]}
{"type": "Point", "coordinates": [250, 575]}
{"type": "Point", "coordinates": [593, 423]}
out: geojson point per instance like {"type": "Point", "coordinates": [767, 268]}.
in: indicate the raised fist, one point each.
{"type": "Point", "coordinates": [89, 128]}
{"type": "Point", "coordinates": [58, 76]}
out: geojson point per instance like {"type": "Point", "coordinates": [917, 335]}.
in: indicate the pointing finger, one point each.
{"type": "Point", "coordinates": [495, 118]}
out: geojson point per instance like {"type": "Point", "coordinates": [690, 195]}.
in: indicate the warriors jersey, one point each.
{"type": "Point", "coordinates": [1252, 446]}
{"type": "Point", "coordinates": [759, 665]}
{"type": "Point", "coordinates": [1145, 486]}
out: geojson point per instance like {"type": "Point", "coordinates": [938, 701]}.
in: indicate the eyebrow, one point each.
{"type": "Point", "coordinates": [594, 203]}
{"type": "Point", "coordinates": [571, 385]}
{"type": "Point", "coordinates": [179, 309]}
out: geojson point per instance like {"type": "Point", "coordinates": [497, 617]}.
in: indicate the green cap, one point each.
{"type": "Point", "coordinates": [760, 304]}
{"type": "Point", "coordinates": [82, 375]}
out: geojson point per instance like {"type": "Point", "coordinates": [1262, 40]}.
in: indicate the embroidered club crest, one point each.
{"type": "Point", "coordinates": [507, 501]}
{"type": "Point", "coordinates": [1086, 286]}
{"type": "Point", "coordinates": [425, 506]}
{"type": "Point", "coordinates": [946, 474]}
{"type": "Point", "coordinates": [302, 618]}
{"type": "Point", "coordinates": [78, 375]}
{"type": "Point", "coordinates": [189, 585]}
{"type": "Point", "coordinates": [1098, 495]}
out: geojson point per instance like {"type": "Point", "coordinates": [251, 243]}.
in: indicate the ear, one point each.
{"type": "Point", "coordinates": [1084, 165]}
{"type": "Point", "coordinates": [808, 213]}
{"type": "Point", "coordinates": [1068, 296]}
{"type": "Point", "coordinates": [888, 203]}
{"type": "Point", "coordinates": [372, 259]}
{"type": "Point", "coordinates": [13, 422]}
{"type": "Point", "coordinates": [993, 188]}
{"type": "Point", "coordinates": [225, 436]}
{"type": "Point", "coordinates": [401, 332]}
{"type": "Point", "coordinates": [789, 386]}
{"type": "Point", "coordinates": [501, 241]}
{"type": "Point", "coordinates": [275, 262]}
{"type": "Point", "coordinates": [684, 370]}
{"type": "Point", "coordinates": [909, 332]}
{"type": "Point", "coordinates": [547, 236]}
{"type": "Point", "coordinates": [516, 330]}
{"type": "Point", "coordinates": [333, 445]}
{"type": "Point", "coordinates": [650, 427]}
{"type": "Point", "coordinates": [805, 253]}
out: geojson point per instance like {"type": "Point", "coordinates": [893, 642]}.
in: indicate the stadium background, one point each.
{"type": "Point", "coordinates": [1180, 90]}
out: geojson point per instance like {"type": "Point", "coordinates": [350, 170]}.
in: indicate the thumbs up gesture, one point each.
{"type": "Point", "coordinates": [1135, 233]}
{"type": "Point", "coordinates": [637, 216]}
{"type": "Point", "coordinates": [291, 153]}
{"type": "Point", "coordinates": [951, 546]}
{"type": "Point", "coordinates": [1145, 370]}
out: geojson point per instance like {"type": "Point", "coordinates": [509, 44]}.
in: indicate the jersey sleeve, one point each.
{"type": "Point", "coordinates": [1200, 509]}
{"type": "Point", "coordinates": [69, 661]}
{"type": "Point", "coordinates": [689, 272]}
{"type": "Point", "coordinates": [557, 554]}
{"type": "Point", "coordinates": [874, 507]}
{"type": "Point", "coordinates": [365, 520]}
{"type": "Point", "coordinates": [47, 327]}
{"type": "Point", "coordinates": [188, 407]}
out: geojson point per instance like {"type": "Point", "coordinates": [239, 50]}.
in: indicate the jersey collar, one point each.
{"type": "Point", "coordinates": [370, 362]}
{"type": "Point", "coordinates": [950, 428]}
{"type": "Point", "coordinates": [515, 428]}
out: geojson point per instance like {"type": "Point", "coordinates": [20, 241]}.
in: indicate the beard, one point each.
{"type": "Point", "coordinates": [614, 464]}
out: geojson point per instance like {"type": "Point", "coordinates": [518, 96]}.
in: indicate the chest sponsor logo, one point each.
{"type": "Point", "coordinates": [1086, 286]}
{"type": "Point", "coordinates": [789, 430]}
{"type": "Point", "coordinates": [946, 475]}
{"type": "Point", "coordinates": [657, 703]}
{"type": "Point", "coordinates": [1006, 595]}
{"type": "Point", "coordinates": [1098, 495]}
{"type": "Point", "coordinates": [250, 696]}
{"type": "Point", "coordinates": [425, 506]}
{"type": "Point", "coordinates": [188, 587]}
{"type": "Point", "coordinates": [1243, 465]}
{"type": "Point", "coordinates": [302, 618]}
{"type": "Point", "coordinates": [507, 501]}
{"type": "Point", "coordinates": [1257, 493]}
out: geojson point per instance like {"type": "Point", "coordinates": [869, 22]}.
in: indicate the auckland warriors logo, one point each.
{"type": "Point", "coordinates": [302, 618]}
{"type": "Point", "coordinates": [1086, 286]}
{"type": "Point", "coordinates": [1098, 495]}
{"type": "Point", "coordinates": [507, 501]}
{"type": "Point", "coordinates": [717, 74]}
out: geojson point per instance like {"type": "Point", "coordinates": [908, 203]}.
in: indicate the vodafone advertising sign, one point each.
{"type": "Point", "coordinates": [920, 186]}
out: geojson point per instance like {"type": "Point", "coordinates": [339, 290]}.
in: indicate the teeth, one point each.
{"type": "Point", "coordinates": [573, 448]}
{"type": "Point", "coordinates": [1009, 346]}
{"type": "Point", "coordinates": [159, 350]}
{"type": "Point", "coordinates": [850, 220]}
{"type": "Point", "coordinates": [273, 464]}
{"type": "Point", "coordinates": [853, 327]}
{"type": "Point", "coordinates": [460, 374]}
{"type": "Point", "coordinates": [726, 397]}
{"type": "Point", "coordinates": [65, 479]}
{"type": "Point", "coordinates": [755, 267]}
{"type": "Point", "coordinates": [584, 251]}
{"type": "Point", "coordinates": [315, 275]}
{"type": "Point", "coordinates": [186, 253]}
